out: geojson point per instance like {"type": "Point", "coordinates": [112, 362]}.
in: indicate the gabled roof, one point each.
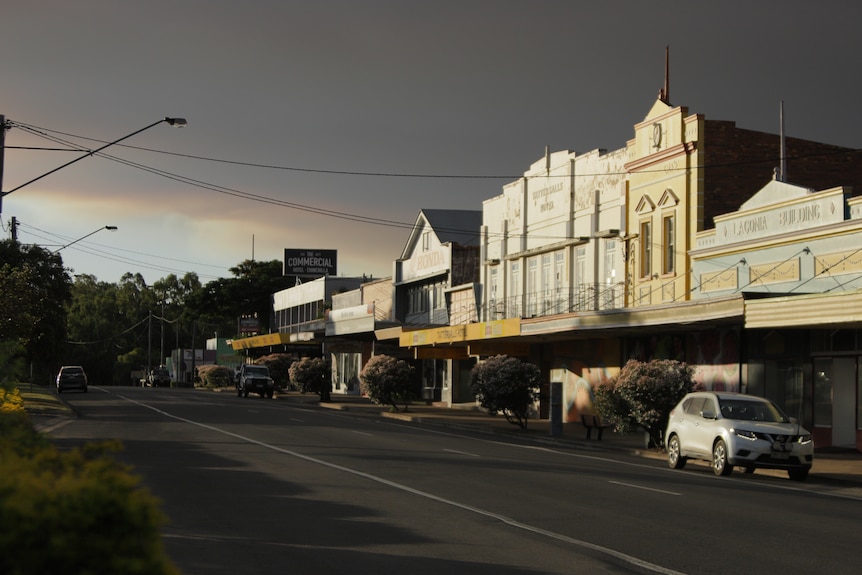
{"type": "Point", "coordinates": [457, 226]}
{"type": "Point", "coordinates": [450, 226]}
{"type": "Point", "coordinates": [774, 192]}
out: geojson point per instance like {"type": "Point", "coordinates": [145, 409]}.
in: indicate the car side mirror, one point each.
{"type": "Point", "coordinates": [707, 415]}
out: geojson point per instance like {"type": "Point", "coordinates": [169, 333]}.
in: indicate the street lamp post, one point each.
{"type": "Point", "coordinates": [6, 124]}
{"type": "Point", "coordinates": [111, 228]}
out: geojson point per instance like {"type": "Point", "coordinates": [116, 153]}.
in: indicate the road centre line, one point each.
{"type": "Point", "coordinates": [462, 453]}
{"type": "Point", "coordinates": [644, 488]}
{"type": "Point", "coordinates": [630, 559]}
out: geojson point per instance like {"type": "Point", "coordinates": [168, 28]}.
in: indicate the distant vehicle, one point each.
{"type": "Point", "coordinates": [71, 377]}
{"type": "Point", "coordinates": [159, 377]}
{"type": "Point", "coordinates": [254, 379]}
{"type": "Point", "coordinates": [733, 429]}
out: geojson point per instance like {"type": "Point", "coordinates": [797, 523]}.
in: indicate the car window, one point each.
{"type": "Point", "coordinates": [709, 405]}
{"type": "Point", "coordinates": [72, 370]}
{"type": "Point", "coordinates": [256, 371]}
{"type": "Point", "coordinates": [748, 410]}
{"type": "Point", "coordinates": [694, 405]}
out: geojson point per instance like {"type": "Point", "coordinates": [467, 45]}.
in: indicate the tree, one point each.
{"type": "Point", "coordinates": [642, 394]}
{"type": "Point", "coordinates": [388, 381]}
{"type": "Point", "coordinates": [35, 291]}
{"type": "Point", "coordinates": [312, 375]}
{"type": "Point", "coordinates": [508, 385]}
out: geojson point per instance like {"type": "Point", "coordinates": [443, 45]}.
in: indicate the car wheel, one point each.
{"type": "Point", "coordinates": [798, 473]}
{"type": "Point", "coordinates": [245, 393]}
{"type": "Point", "coordinates": [749, 470]}
{"type": "Point", "coordinates": [674, 459]}
{"type": "Point", "coordinates": [270, 393]}
{"type": "Point", "coordinates": [238, 391]}
{"type": "Point", "coordinates": [720, 466]}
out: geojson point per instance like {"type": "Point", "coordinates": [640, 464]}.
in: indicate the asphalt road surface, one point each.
{"type": "Point", "coordinates": [271, 487]}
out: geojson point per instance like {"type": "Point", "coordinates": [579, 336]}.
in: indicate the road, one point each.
{"type": "Point", "coordinates": [272, 487]}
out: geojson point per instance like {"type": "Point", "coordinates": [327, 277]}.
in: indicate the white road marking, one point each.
{"type": "Point", "coordinates": [644, 488]}
{"type": "Point", "coordinates": [462, 453]}
{"type": "Point", "coordinates": [630, 559]}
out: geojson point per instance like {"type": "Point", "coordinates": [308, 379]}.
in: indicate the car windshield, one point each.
{"type": "Point", "coordinates": [72, 371]}
{"type": "Point", "coordinates": [748, 410]}
{"type": "Point", "coordinates": [257, 371]}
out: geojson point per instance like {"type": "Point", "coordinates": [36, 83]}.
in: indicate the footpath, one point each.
{"type": "Point", "coordinates": [833, 469]}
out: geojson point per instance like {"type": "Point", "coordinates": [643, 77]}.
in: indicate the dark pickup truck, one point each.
{"type": "Point", "coordinates": [254, 379]}
{"type": "Point", "coordinates": [160, 377]}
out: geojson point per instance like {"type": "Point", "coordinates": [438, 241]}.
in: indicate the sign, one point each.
{"type": "Point", "coordinates": [314, 263]}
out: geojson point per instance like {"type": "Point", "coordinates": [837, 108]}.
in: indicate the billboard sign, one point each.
{"type": "Point", "coordinates": [313, 263]}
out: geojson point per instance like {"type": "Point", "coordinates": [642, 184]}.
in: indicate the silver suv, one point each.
{"type": "Point", "coordinates": [733, 429]}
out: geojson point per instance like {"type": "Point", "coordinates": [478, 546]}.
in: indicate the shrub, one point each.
{"type": "Point", "coordinates": [279, 368]}
{"type": "Point", "coordinates": [508, 385]}
{"type": "Point", "coordinates": [642, 394]}
{"type": "Point", "coordinates": [215, 376]}
{"type": "Point", "coordinates": [387, 381]}
{"type": "Point", "coordinates": [312, 375]}
{"type": "Point", "coordinates": [74, 511]}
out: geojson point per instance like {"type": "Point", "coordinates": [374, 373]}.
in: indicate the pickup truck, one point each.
{"type": "Point", "coordinates": [159, 377]}
{"type": "Point", "coordinates": [254, 379]}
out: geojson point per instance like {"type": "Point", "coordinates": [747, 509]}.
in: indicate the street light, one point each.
{"type": "Point", "coordinates": [111, 228]}
{"type": "Point", "coordinates": [4, 125]}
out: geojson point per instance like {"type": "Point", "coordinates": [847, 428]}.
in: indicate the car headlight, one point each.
{"type": "Point", "coordinates": [744, 434]}
{"type": "Point", "coordinates": [805, 438]}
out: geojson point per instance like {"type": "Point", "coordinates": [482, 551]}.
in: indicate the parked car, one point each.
{"type": "Point", "coordinates": [71, 377]}
{"type": "Point", "coordinates": [159, 377]}
{"type": "Point", "coordinates": [733, 429]}
{"type": "Point", "coordinates": [254, 379]}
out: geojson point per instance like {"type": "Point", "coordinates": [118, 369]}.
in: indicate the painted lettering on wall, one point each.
{"type": "Point", "coordinates": [799, 215]}
{"type": "Point", "coordinates": [752, 225]}
{"type": "Point", "coordinates": [542, 196]}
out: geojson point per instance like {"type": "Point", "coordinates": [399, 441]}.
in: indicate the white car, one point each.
{"type": "Point", "coordinates": [733, 429]}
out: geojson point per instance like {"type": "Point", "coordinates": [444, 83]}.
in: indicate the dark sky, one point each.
{"type": "Point", "coordinates": [330, 124]}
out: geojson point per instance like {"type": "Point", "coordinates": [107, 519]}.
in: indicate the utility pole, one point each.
{"type": "Point", "coordinates": [3, 129]}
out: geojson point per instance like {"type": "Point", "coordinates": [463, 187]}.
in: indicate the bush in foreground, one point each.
{"type": "Point", "coordinates": [76, 512]}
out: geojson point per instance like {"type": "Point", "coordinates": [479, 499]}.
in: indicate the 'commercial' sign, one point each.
{"type": "Point", "coordinates": [313, 263]}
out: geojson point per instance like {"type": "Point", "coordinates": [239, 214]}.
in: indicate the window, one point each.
{"type": "Point", "coordinates": [426, 241]}
{"type": "Point", "coordinates": [669, 242]}
{"type": "Point", "coordinates": [581, 265]}
{"type": "Point", "coordinates": [492, 294]}
{"type": "Point", "coordinates": [610, 260]}
{"type": "Point", "coordinates": [646, 249]}
{"type": "Point", "coordinates": [532, 285]}
{"type": "Point", "coordinates": [515, 290]}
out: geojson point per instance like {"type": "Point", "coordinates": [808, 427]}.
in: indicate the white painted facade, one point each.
{"type": "Point", "coordinates": [552, 241]}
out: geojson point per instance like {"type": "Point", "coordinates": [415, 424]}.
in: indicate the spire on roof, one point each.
{"type": "Point", "coordinates": [664, 93]}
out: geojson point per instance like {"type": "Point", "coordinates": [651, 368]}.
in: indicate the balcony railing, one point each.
{"type": "Point", "coordinates": [583, 297]}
